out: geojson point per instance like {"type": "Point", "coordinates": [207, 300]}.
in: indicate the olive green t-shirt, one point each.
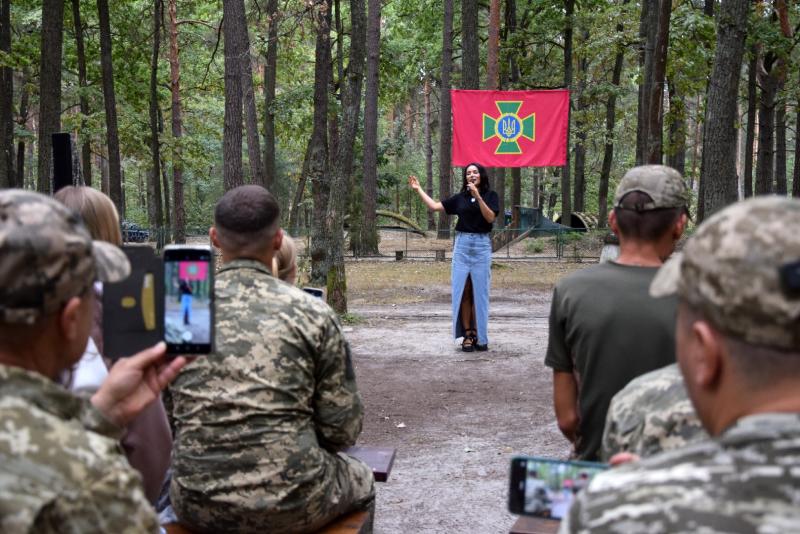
{"type": "Point", "coordinates": [607, 330]}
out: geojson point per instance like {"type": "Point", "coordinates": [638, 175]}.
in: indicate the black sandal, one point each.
{"type": "Point", "coordinates": [468, 345]}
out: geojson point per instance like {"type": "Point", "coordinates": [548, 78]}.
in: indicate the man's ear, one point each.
{"type": "Point", "coordinates": [680, 226]}
{"type": "Point", "coordinates": [212, 234]}
{"type": "Point", "coordinates": [69, 319]}
{"type": "Point", "coordinates": [705, 355]}
{"type": "Point", "coordinates": [612, 222]}
{"type": "Point", "coordinates": [277, 240]}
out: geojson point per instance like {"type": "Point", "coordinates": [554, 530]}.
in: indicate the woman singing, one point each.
{"type": "Point", "coordinates": [477, 207]}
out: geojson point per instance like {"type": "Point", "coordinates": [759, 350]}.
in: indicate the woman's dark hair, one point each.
{"type": "Point", "coordinates": [484, 186]}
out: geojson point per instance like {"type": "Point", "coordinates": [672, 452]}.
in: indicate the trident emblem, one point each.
{"type": "Point", "coordinates": [509, 127]}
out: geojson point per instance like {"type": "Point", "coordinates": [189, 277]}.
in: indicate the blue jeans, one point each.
{"type": "Point", "coordinates": [472, 256]}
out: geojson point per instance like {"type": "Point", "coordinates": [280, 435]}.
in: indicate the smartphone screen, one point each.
{"type": "Point", "coordinates": [545, 488]}
{"type": "Point", "coordinates": [188, 299]}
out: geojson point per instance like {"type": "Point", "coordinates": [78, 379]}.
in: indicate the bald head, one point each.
{"type": "Point", "coordinates": [246, 220]}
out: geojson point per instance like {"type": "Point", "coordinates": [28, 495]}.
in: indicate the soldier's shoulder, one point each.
{"type": "Point", "coordinates": [653, 387]}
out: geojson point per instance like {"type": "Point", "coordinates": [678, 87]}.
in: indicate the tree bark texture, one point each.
{"type": "Point", "coordinates": [270, 71]}
{"type": "Point", "coordinates": [428, 151]}
{"type": "Point", "coordinates": [86, 146]}
{"type": "Point", "coordinates": [179, 210]}
{"type": "Point", "coordinates": [751, 122]}
{"type": "Point", "coordinates": [232, 173]}
{"type": "Point", "coordinates": [780, 149]}
{"type": "Point", "coordinates": [655, 112]}
{"type": "Point", "coordinates": [318, 147]}
{"type": "Point", "coordinates": [22, 121]}
{"type": "Point", "coordinates": [718, 167]}
{"type": "Point", "coordinates": [796, 169]}
{"type": "Point", "coordinates": [369, 238]}
{"type": "Point", "coordinates": [493, 46]}
{"type": "Point", "coordinates": [49, 88]}
{"type": "Point", "coordinates": [7, 177]}
{"type": "Point", "coordinates": [648, 24]}
{"type": "Point", "coordinates": [676, 156]}
{"type": "Point", "coordinates": [110, 102]}
{"type": "Point", "coordinates": [445, 119]}
{"type": "Point", "coordinates": [155, 209]}
{"type": "Point", "coordinates": [248, 95]}
{"type": "Point", "coordinates": [765, 160]}
{"type": "Point", "coordinates": [470, 55]}
{"type": "Point", "coordinates": [566, 195]}
{"type": "Point", "coordinates": [579, 191]}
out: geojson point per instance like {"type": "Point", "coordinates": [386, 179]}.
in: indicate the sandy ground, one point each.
{"type": "Point", "coordinates": [455, 418]}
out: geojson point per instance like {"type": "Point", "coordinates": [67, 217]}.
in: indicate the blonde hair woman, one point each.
{"type": "Point", "coordinates": [148, 440]}
{"type": "Point", "coordinates": [284, 262]}
{"type": "Point", "coordinates": [98, 212]}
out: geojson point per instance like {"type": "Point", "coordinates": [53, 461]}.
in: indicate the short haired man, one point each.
{"type": "Point", "coordinates": [604, 327]}
{"type": "Point", "coordinates": [260, 420]}
{"type": "Point", "coordinates": [738, 346]}
{"type": "Point", "coordinates": [651, 414]}
{"type": "Point", "coordinates": [61, 466]}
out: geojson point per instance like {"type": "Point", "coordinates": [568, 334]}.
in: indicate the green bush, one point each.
{"type": "Point", "coordinates": [534, 246]}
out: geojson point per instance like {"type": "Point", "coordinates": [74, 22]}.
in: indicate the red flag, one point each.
{"type": "Point", "coordinates": [510, 128]}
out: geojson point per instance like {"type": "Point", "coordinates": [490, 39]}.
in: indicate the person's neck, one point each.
{"type": "Point", "coordinates": [780, 398]}
{"type": "Point", "coordinates": [29, 360]}
{"type": "Point", "coordinates": [265, 258]}
{"type": "Point", "coordinates": [642, 253]}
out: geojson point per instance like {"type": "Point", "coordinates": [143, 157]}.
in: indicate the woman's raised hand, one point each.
{"type": "Point", "coordinates": [413, 182]}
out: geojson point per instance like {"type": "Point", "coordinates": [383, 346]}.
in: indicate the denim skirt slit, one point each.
{"type": "Point", "coordinates": [472, 257]}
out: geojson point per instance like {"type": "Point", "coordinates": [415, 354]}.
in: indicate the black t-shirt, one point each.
{"type": "Point", "coordinates": [470, 218]}
{"type": "Point", "coordinates": [606, 329]}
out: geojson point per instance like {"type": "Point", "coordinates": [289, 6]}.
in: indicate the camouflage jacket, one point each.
{"type": "Point", "coordinates": [745, 480]}
{"type": "Point", "coordinates": [252, 418]}
{"type": "Point", "coordinates": [61, 467]}
{"type": "Point", "coordinates": [652, 414]}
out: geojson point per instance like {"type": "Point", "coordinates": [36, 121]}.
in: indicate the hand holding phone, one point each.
{"type": "Point", "coordinates": [545, 488]}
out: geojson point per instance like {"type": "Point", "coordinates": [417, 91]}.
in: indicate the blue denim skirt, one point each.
{"type": "Point", "coordinates": [472, 256]}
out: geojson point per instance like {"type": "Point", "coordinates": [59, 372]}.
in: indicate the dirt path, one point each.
{"type": "Point", "coordinates": [455, 418]}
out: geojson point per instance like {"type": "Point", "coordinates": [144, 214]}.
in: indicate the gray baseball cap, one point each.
{"type": "Point", "coordinates": [663, 184]}
{"type": "Point", "coordinates": [741, 270]}
{"type": "Point", "coordinates": [47, 257]}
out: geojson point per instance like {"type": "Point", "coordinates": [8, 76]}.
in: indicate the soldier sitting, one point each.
{"type": "Point", "coordinates": [260, 420]}
{"type": "Point", "coordinates": [61, 467]}
{"type": "Point", "coordinates": [738, 347]}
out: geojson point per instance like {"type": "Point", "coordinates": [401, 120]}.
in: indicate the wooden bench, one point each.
{"type": "Point", "coordinates": [534, 525]}
{"type": "Point", "coordinates": [352, 523]}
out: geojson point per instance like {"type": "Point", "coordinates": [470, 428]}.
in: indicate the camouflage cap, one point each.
{"type": "Point", "coordinates": [47, 256]}
{"type": "Point", "coordinates": [741, 270]}
{"type": "Point", "coordinates": [663, 184]}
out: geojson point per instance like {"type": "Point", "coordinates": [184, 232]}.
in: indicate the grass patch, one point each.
{"type": "Point", "coordinates": [351, 319]}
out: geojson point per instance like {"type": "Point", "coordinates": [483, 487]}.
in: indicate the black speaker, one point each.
{"type": "Point", "coordinates": [62, 161]}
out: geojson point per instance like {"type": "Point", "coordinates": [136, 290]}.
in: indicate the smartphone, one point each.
{"type": "Point", "coordinates": [545, 488]}
{"type": "Point", "coordinates": [188, 299]}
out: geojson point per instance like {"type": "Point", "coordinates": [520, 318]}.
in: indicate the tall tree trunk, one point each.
{"type": "Point", "coordinates": [780, 149]}
{"type": "Point", "coordinates": [269, 95]}
{"type": "Point", "coordinates": [342, 173]}
{"type": "Point", "coordinates": [318, 151]}
{"type": "Point", "coordinates": [470, 56]}
{"type": "Point", "coordinates": [513, 77]}
{"type": "Point", "coordinates": [428, 151]}
{"type": "Point", "coordinates": [535, 199]}
{"type": "Point", "coordinates": [445, 120]}
{"type": "Point", "coordinates": [370, 234]}
{"type": "Point", "coordinates": [647, 37]}
{"type": "Point", "coordinates": [179, 210]}
{"type": "Point", "coordinates": [7, 178]}
{"type": "Point", "coordinates": [110, 101]}
{"type": "Point", "coordinates": [766, 124]}
{"type": "Point", "coordinates": [22, 121]}
{"type": "Point", "coordinates": [718, 168]}
{"type": "Point", "coordinates": [164, 177]}
{"type": "Point", "coordinates": [493, 47]}
{"type": "Point", "coordinates": [796, 169]}
{"type": "Point", "coordinates": [655, 119]}
{"type": "Point", "coordinates": [248, 95]}
{"type": "Point", "coordinates": [676, 156]}
{"type": "Point", "coordinates": [49, 88]}
{"type": "Point", "coordinates": [611, 116]}
{"type": "Point", "coordinates": [752, 67]}
{"type": "Point", "coordinates": [580, 132]}
{"type": "Point", "coordinates": [86, 146]}
{"type": "Point", "coordinates": [232, 173]}
{"type": "Point", "coordinates": [155, 209]}
{"type": "Point", "coordinates": [566, 196]}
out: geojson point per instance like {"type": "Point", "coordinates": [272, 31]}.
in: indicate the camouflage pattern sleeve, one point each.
{"type": "Point", "coordinates": [650, 415]}
{"type": "Point", "coordinates": [338, 409]}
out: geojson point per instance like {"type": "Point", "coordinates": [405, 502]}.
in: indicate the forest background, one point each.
{"type": "Point", "coordinates": [331, 106]}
